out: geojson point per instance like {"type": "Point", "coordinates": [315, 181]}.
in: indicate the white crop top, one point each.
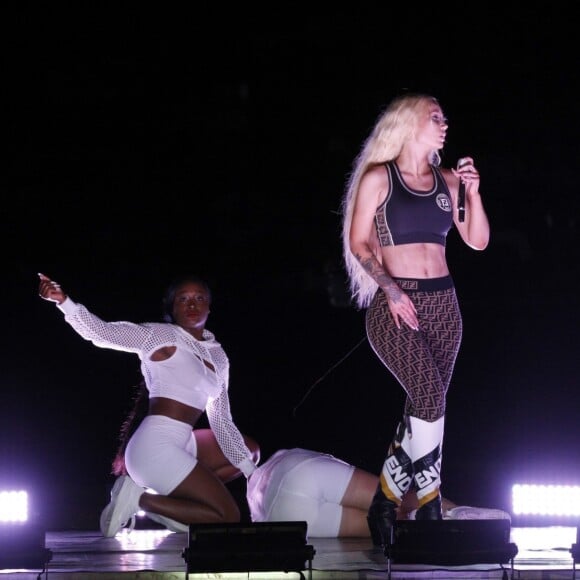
{"type": "Point", "coordinates": [183, 377]}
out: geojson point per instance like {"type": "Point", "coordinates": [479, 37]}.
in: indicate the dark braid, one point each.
{"type": "Point", "coordinates": [129, 426]}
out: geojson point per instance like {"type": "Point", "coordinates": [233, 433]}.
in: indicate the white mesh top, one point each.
{"type": "Point", "coordinates": [184, 377]}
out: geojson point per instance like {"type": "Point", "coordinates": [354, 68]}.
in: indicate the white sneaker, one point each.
{"type": "Point", "coordinates": [123, 506]}
{"type": "Point", "coordinates": [466, 512]}
{"type": "Point", "coordinates": [170, 524]}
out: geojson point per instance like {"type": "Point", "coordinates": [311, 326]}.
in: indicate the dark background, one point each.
{"type": "Point", "coordinates": [140, 144]}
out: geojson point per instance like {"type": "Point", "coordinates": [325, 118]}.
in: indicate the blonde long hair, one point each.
{"type": "Point", "coordinates": [393, 128]}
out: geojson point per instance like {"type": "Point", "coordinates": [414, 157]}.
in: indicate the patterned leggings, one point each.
{"type": "Point", "coordinates": [422, 361]}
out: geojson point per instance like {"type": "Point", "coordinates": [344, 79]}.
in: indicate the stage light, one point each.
{"type": "Point", "coordinates": [546, 500]}
{"type": "Point", "coordinates": [255, 547]}
{"type": "Point", "coordinates": [451, 543]}
{"type": "Point", "coordinates": [22, 538]}
{"type": "Point", "coordinates": [13, 506]}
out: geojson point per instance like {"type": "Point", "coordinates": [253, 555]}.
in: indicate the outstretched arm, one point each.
{"type": "Point", "coordinates": [124, 336]}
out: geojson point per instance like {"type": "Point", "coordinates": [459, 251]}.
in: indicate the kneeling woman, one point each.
{"type": "Point", "coordinates": [186, 372]}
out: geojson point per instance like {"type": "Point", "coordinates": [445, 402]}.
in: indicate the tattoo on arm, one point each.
{"type": "Point", "coordinates": [378, 274]}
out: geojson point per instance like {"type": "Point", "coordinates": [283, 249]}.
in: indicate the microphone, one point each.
{"type": "Point", "coordinates": [461, 193]}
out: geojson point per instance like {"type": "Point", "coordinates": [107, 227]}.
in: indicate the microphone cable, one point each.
{"type": "Point", "coordinates": [319, 380]}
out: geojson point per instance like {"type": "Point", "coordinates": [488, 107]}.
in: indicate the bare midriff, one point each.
{"type": "Point", "coordinates": [174, 410]}
{"type": "Point", "coordinates": [415, 261]}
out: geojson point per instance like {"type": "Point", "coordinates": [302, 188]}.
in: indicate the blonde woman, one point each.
{"type": "Point", "coordinates": [398, 208]}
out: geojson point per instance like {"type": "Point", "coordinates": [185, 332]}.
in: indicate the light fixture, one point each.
{"type": "Point", "coordinates": [546, 503]}
{"type": "Point", "coordinates": [451, 543]}
{"type": "Point", "coordinates": [22, 538]}
{"type": "Point", "coordinates": [255, 547]}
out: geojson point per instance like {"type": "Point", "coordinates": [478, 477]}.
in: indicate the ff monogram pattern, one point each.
{"type": "Point", "coordinates": [423, 360]}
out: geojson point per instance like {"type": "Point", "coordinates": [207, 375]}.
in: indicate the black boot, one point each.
{"type": "Point", "coordinates": [381, 518]}
{"type": "Point", "coordinates": [431, 510]}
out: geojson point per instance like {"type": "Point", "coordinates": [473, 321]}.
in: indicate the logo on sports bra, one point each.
{"type": "Point", "coordinates": [443, 202]}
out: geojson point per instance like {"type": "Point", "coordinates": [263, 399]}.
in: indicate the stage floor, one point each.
{"type": "Point", "coordinates": [544, 553]}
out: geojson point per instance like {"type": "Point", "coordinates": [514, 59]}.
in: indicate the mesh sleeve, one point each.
{"type": "Point", "coordinates": [124, 336]}
{"type": "Point", "coordinates": [228, 435]}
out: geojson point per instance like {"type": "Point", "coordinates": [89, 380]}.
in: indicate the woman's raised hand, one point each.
{"type": "Point", "coordinates": [50, 290]}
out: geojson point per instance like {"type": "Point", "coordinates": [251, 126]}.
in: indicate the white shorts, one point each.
{"type": "Point", "coordinates": [300, 485]}
{"type": "Point", "coordinates": [161, 453]}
